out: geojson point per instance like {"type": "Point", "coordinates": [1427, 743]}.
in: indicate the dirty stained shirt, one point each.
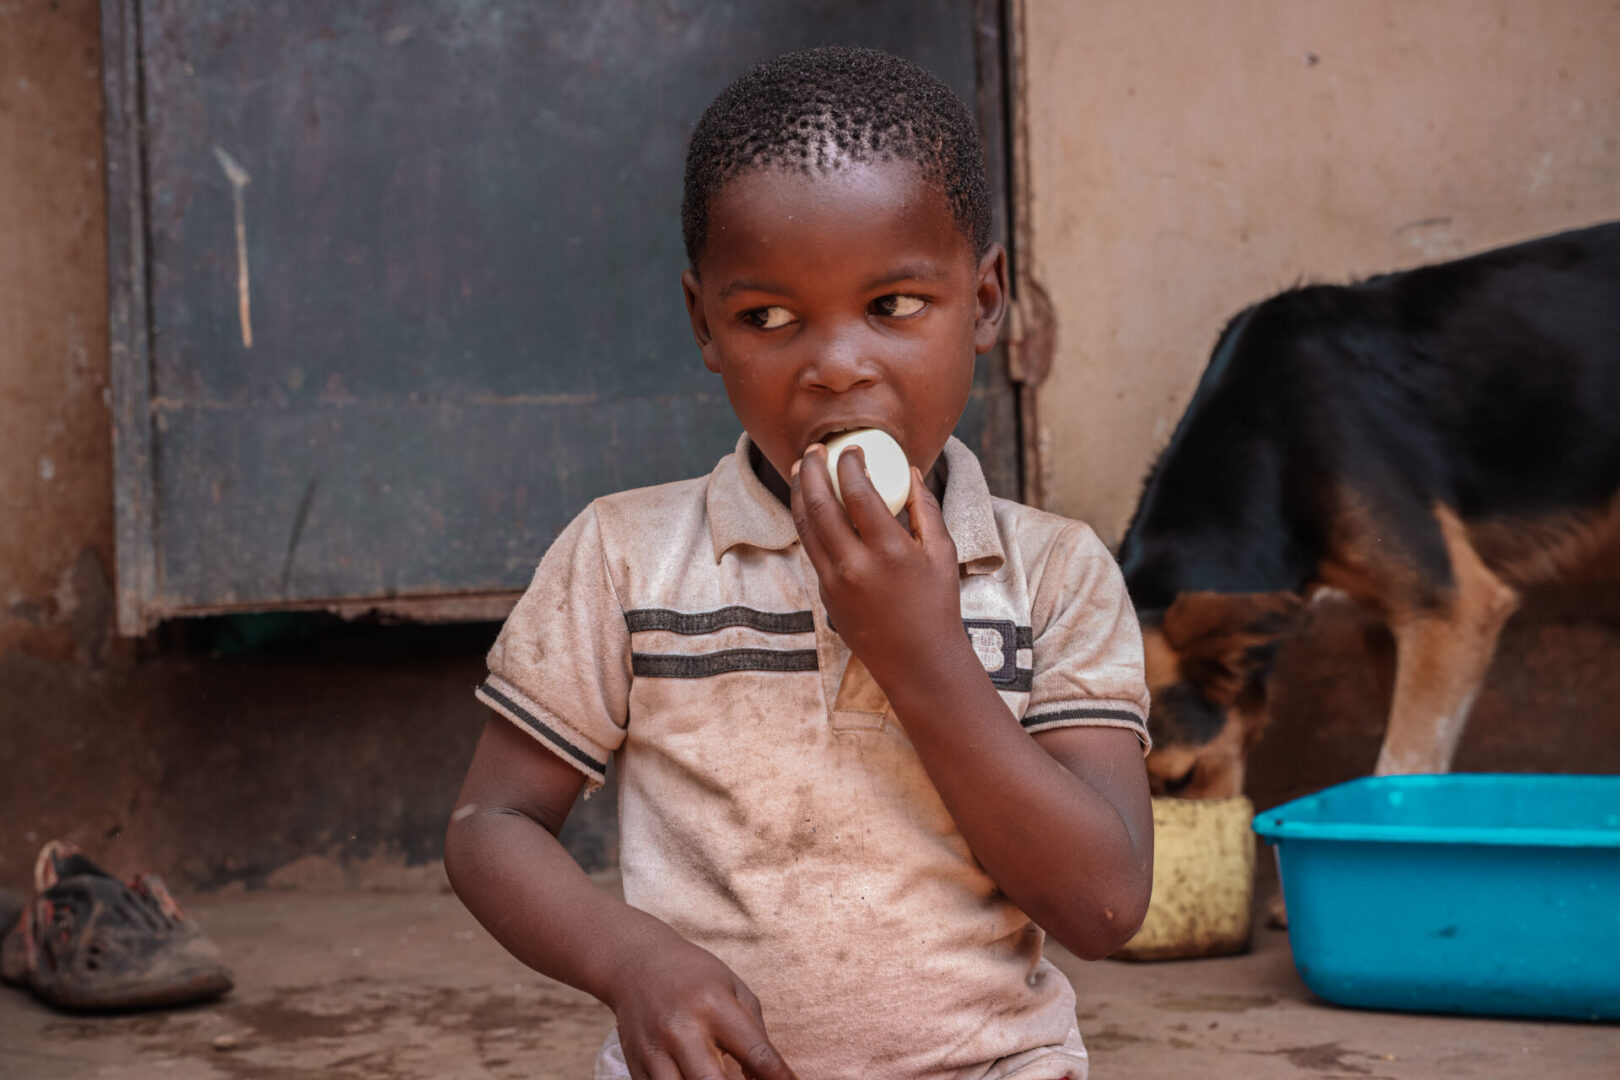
{"type": "Point", "coordinates": [771, 808]}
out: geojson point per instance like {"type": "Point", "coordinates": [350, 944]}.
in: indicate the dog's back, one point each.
{"type": "Point", "coordinates": [1489, 385]}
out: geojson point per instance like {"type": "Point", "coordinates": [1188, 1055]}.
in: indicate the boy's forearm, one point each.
{"type": "Point", "coordinates": [1054, 843]}
{"type": "Point", "coordinates": [530, 894]}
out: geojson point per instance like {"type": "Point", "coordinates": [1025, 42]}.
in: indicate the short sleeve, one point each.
{"type": "Point", "coordinates": [560, 668]}
{"type": "Point", "coordinates": [1088, 667]}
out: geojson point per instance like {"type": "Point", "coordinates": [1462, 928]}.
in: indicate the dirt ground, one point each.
{"type": "Point", "coordinates": [405, 986]}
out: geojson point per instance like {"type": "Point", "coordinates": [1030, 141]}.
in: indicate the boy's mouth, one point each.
{"type": "Point", "coordinates": [827, 434]}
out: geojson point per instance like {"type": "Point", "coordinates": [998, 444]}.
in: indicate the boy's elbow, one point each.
{"type": "Point", "coordinates": [454, 851]}
{"type": "Point", "coordinates": [481, 840]}
{"type": "Point", "coordinates": [461, 845]}
{"type": "Point", "coordinates": [1102, 926]}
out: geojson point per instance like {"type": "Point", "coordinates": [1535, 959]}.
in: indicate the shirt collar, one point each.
{"type": "Point", "coordinates": [742, 510]}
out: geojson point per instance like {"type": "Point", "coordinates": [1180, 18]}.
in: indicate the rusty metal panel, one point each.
{"type": "Point", "coordinates": [395, 283]}
{"type": "Point", "coordinates": [127, 323]}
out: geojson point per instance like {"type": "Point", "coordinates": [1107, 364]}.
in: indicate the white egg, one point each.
{"type": "Point", "coordinates": [886, 464]}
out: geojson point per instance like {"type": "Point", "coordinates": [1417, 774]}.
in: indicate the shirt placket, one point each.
{"type": "Point", "coordinates": [852, 698]}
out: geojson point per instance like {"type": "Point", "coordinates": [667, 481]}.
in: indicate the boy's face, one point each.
{"type": "Point", "coordinates": [830, 301]}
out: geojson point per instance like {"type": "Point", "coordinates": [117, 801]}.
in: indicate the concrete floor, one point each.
{"type": "Point", "coordinates": [404, 985]}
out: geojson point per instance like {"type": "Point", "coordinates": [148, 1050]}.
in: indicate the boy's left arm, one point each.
{"type": "Point", "coordinates": [1061, 820]}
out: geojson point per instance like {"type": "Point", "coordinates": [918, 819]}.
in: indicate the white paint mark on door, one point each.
{"type": "Point", "coordinates": [239, 179]}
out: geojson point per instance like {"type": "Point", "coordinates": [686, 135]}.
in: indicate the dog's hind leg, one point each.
{"type": "Point", "coordinates": [1442, 654]}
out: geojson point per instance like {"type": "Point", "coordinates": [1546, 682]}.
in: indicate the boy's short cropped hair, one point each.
{"type": "Point", "coordinates": [813, 109]}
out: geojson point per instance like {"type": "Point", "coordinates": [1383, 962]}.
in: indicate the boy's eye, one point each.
{"type": "Point", "coordinates": [768, 318]}
{"type": "Point", "coordinates": [897, 305]}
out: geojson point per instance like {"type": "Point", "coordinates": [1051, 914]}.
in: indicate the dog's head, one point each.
{"type": "Point", "coordinates": [1208, 655]}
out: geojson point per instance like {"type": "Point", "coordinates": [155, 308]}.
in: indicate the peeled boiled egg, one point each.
{"type": "Point", "coordinates": [886, 464]}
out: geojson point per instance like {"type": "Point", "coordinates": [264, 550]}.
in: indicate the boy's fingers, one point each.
{"type": "Point", "coordinates": [751, 1003]}
{"type": "Point", "coordinates": [698, 1059]}
{"type": "Point", "coordinates": [817, 514]}
{"type": "Point", "coordinates": [801, 517]}
{"type": "Point", "coordinates": [866, 508]}
{"type": "Point", "coordinates": [744, 1038]}
{"type": "Point", "coordinates": [657, 1066]}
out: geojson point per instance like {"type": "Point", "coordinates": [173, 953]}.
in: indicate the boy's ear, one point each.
{"type": "Point", "coordinates": [992, 298]}
{"type": "Point", "coordinates": [700, 320]}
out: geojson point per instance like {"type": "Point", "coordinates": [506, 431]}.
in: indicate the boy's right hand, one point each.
{"type": "Point", "coordinates": [680, 1008]}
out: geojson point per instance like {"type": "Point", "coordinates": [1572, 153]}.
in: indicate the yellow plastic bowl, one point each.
{"type": "Point", "coordinates": [1203, 881]}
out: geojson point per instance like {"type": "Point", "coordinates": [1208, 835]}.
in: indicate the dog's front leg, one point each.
{"type": "Point", "coordinates": [1441, 657]}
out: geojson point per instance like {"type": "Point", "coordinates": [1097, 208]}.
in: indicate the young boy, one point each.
{"type": "Point", "coordinates": [863, 760]}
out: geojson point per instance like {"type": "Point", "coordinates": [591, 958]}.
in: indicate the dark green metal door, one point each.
{"type": "Point", "coordinates": [395, 283]}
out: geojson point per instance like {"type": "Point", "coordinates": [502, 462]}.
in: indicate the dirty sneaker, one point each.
{"type": "Point", "coordinates": [86, 940]}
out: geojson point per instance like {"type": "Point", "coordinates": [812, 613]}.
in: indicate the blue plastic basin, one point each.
{"type": "Point", "coordinates": [1489, 894]}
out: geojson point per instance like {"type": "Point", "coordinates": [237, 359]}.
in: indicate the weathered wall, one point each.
{"type": "Point", "coordinates": [1188, 159]}
{"type": "Point", "coordinates": [55, 442]}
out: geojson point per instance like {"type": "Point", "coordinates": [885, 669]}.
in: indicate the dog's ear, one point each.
{"type": "Point", "coordinates": [1224, 638]}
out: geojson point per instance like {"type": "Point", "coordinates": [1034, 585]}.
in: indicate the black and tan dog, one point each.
{"type": "Point", "coordinates": [1428, 442]}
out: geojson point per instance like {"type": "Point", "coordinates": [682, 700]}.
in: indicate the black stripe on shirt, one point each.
{"type": "Point", "coordinates": [1092, 712]}
{"type": "Point", "coordinates": [702, 665]}
{"type": "Point", "coordinates": [707, 622]}
{"type": "Point", "coordinates": [546, 731]}
{"type": "Point", "coordinates": [1020, 681]}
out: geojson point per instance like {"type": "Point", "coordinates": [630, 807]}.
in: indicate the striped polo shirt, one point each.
{"type": "Point", "coordinates": [771, 808]}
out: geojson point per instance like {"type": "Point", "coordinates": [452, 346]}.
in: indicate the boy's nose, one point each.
{"type": "Point", "coordinates": [840, 362]}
